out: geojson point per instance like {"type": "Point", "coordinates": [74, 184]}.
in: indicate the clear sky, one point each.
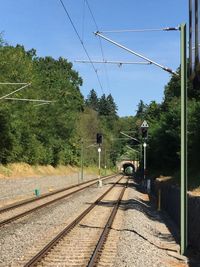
{"type": "Point", "coordinates": [43, 25]}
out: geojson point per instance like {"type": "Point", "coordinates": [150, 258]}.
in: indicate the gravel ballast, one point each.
{"type": "Point", "coordinates": [142, 238]}
{"type": "Point", "coordinates": [18, 189]}
{"type": "Point", "coordinates": [145, 239]}
{"type": "Point", "coordinates": [18, 238]}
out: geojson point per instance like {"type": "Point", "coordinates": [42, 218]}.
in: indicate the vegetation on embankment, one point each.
{"type": "Point", "coordinates": [23, 170]}
{"type": "Point", "coordinates": [54, 133]}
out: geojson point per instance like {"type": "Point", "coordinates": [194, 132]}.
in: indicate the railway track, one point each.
{"type": "Point", "coordinates": [81, 243]}
{"type": "Point", "coordinates": [20, 209]}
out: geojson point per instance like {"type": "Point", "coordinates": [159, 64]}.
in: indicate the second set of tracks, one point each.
{"type": "Point", "coordinates": [81, 242]}
{"type": "Point", "coordinates": [20, 209]}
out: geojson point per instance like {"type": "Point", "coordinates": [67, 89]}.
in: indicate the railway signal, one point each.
{"type": "Point", "coordinates": [144, 129]}
{"type": "Point", "coordinates": [99, 138]}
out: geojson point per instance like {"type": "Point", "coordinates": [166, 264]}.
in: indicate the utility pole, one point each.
{"type": "Point", "coordinates": [184, 174]}
{"type": "Point", "coordinates": [145, 160]}
{"type": "Point", "coordinates": [99, 151]}
{"type": "Point", "coordinates": [82, 155]}
{"type": "Point", "coordinates": [105, 160]}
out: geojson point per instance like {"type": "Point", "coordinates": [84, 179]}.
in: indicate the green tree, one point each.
{"type": "Point", "coordinates": [141, 111]}
{"type": "Point", "coordinates": [92, 100]}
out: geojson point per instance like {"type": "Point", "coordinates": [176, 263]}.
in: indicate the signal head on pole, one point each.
{"type": "Point", "coordinates": [144, 129]}
{"type": "Point", "coordinates": [99, 138]}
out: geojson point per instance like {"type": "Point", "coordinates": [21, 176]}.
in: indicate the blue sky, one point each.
{"type": "Point", "coordinates": [43, 25]}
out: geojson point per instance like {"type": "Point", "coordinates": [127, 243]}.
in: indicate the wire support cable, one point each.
{"type": "Point", "coordinates": [28, 99]}
{"type": "Point", "coordinates": [7, 83]}
{"type": "Point", "coordinates": [17, 90]}
{"type": "Point", "coordinates": [44, 103]}
{"type": "Point", "coordinates": [137, 54]}
{"type": "Point", "coordinates": [141, 30]}
{"type": "Point", "coordinates": [114, 62]}
{"type": "Point", "coordinates": [81, 41]}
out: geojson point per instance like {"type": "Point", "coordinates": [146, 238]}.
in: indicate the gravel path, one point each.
{"type": "Point", "coordinates": [18, 189]}
{"type": "Point", "coordinates": [18, 238]}
{"type": "Point", "coordinates": [145, 240]}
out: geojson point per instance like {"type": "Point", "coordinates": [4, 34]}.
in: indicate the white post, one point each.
{"type": "Point", "coordinates": [144, 145]}
{"type": "Point", "coordinates": [144, 163]}
{"type": "Point", "coordinates": [100, 181]}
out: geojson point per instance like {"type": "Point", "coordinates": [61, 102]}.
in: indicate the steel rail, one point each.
{"type": "Point", "coordinates": [33, 199]}
{"type": "Point", "coordinates": [20, 215]}
{"type": "Point", "coordinates": [94, 258]}
{"type": "Point", "coordinates": [41, 254]}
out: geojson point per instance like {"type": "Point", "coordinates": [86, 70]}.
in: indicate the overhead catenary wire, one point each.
{"type": "Point", "coordinates": [5, 97]}
{"type": "Point", "coordinates": [83, 19]}
{"type": "Point", "coordinates": [100, 44]}
{"type": "Point", "coordinates": [114, 62]}
{"type": "Point", "coordinates": [81, 41]}
{"type": "Point", "coordinates": [17, 90]}
{"type": "Point", "coordinates": [10, 83]}
{"type": "Point", "coordinates": [136, 54]}
{"type": "Point", "coordinates": [46, 103]}
{"type": "Point", "coordinates": [141, 30]}
{"type": "Point", "coordinates": [28, 99]}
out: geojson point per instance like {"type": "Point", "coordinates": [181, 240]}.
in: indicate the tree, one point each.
{"type": "Point", "coordinates": [6, 142]}
{"type": "Point", "coordinates": [92, 100]}
{"type": "Point", "coordinates": [112, 107]}
{"type": "Point", "coordinates": [39, 134]}
{"type": "Point", "coordinates": [140, 113]}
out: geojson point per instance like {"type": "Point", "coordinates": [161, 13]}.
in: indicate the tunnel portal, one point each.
{"type": "Point", "coordinates": [128, 168]}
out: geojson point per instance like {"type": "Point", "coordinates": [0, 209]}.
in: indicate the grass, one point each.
{"type": "Point", "coordinates": [21, 170]}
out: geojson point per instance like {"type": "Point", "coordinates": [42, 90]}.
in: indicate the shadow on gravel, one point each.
{"type": "Point", "coordinates": [148, 208]}
{"type": "Point", "coordinates": [193, 256]}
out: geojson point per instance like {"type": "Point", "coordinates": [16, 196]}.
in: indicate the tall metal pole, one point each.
{"type": "Point", "coordinates": [99, 151]}
{"type": "Point", "coordinates": [144, 145]}
{"type": "Point", "coordinates": [196, 32]}
{"type": "Point", "coordinates": [184, 208]}
{"type": "Point", "coordinates": [99, 163]}
{"type": "Point", "coordinates": [82, 151]}
{"type": "Point", "coordinates": [105, 161]}
{"type": "Point", "coordinates": [190, 37]}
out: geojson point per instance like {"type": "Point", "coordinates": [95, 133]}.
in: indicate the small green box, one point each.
{"type": "Point", "coordinates": [37, 192]}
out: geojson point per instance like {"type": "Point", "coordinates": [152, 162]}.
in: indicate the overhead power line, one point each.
{"type": "Point", "coordinates": [81, 41]}
{"type": "Point", "coordinates": [100, 43]}
{"type": "Point", "coordinates": [83, 20]}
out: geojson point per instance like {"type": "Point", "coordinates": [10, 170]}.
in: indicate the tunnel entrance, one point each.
{"type": "Point", "coordinates": [128, 168]}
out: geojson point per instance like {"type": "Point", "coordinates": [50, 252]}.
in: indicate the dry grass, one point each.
{"type": "Point", "coordinates": [21, 170]}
